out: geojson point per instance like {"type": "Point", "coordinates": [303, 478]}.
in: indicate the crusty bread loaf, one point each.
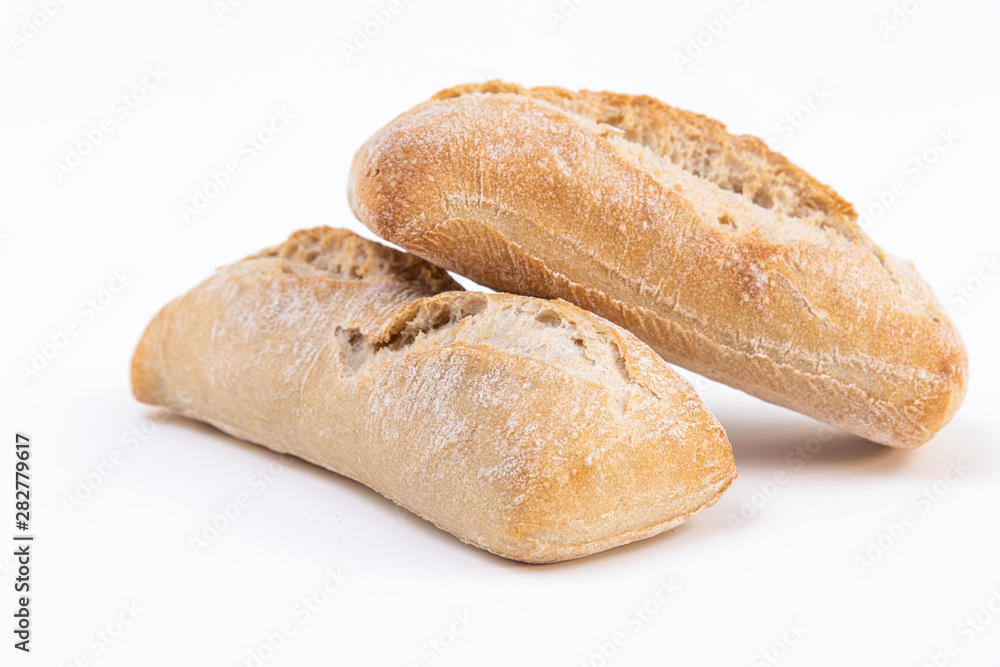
{"type": "Point", "coordinates": [720, 254]}
{"type": "Point", "coordinates": [530, 428]}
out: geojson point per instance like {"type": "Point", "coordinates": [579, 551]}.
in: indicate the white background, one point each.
{"type": "Point", "coordinates": [794, 561]}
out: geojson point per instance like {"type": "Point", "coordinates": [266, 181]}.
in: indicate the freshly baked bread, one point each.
{"type": "Point", "coordinates": [720, 254]}
{"type": "Point", "coordinates": [530, 428]}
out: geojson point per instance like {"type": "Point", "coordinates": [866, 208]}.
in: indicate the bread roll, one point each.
{"type": "Point", "coordinates": [720, 254]}
{"type": "Point", "coordinates": [529, 428]}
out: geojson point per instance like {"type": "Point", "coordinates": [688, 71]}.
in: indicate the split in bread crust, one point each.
{"type": "Point", "coordinates": [530, 428]}
{"type": "Point", "coordinates": [719, 253]}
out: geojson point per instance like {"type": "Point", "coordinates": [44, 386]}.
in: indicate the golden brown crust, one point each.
{"type": "Point", "coordinates": [683, 136]}
{"type": "Point", "coordinates": [530, 428]}
{"type": "Point", "coordinates": [522, 191]}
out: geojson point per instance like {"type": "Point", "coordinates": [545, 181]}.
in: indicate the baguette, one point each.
{"type": "Point", "coordinates": [720, 254]}
{"type": "Point", "coordinates": [529, 428]}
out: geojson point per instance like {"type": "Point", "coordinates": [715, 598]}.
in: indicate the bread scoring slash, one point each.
{"type": "Point", "coordinates": [530, 428]}
{"type": "Point", "coordinates": [719, 253]}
